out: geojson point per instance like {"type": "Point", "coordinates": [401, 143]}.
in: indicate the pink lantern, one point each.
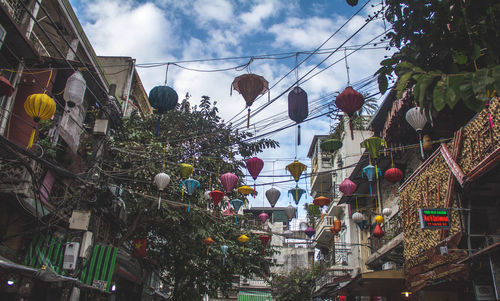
{"type": "Point", "coordinates": [229, 181]}
{"type": "Point", "coordinates": [254, 166]}
{"type": "Point", "coordinates": [263, 217]}
{"type": "Point", "coordinates": [347, 187]}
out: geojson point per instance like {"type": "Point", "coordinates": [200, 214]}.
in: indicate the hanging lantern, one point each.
{"type": "Point", "coordinates": [296, 194]}
{"type": "Point", "coordinates": [373, 146]}
{"type": "Point", "coordinates": [297, 107]}
{"type": "Point", "coordinates": [387, 212]}
{"type": "Point", "coordinates": [224, 249]}
{"type": "Point", "coordinates": [186, 170]}
{"type": "Point", "coordinates": [378, 232]}
{"type": "Point", "coordinates": [332, 229]}
{"type": "Point", "coordinates": [263, 217]}
{"type": "Point", "coordinates": [349, 101]}
{"type": "Point", "coordinates": [264, 239]}
{"type": "Point", "coordinates": [229, 181]}
{"type": "Point", "coordinates": [162, 99]}
{"type": "Point", "coordinates": [254, 166]}
{"type": "Point", "coordinates": [216, 197]}
{"type": "Point", "coordinates": [393, 175]}
{"type": "Point", "coordinates": [357, 217]}
{"type": "Point", "coordinates": [379, 219]}
{"type": "Point", "coordinates": [417, 119]}
{"type": "Point", "coordinates": [321, 201]}
{"type": "Point", "coordinates": [347, 187]}
{"type": "Point", "coordinates": [427, 143]}
{"type": "Point", "coordinates": [337, 225]}
{"type": "Point", "coordinates": [6, 88]}
{"type": "Point", "coordinates": [296, 169]}
{"type": "Point", "coordinates": [310, 231]}
{"type": "Point", "coordinates": [272, 196]}
{"type": "Point", "coordinates": [39, 107]}
{"type": "Point", "coordinates": [330, 145]}
{"type": "Point", "coordinates": [161, 180]}
{"type": "Point", "coordinates": [371, 174]}
{"type": "Point", "coordinates": [250, 86]}
{"type": "Point", "coordinates": [206, 195]}
{"type": "Point", "coordinates": [190, 185]}
{"type": "Point", "coordinates": [236, 203]}
{"type": "Point", "coordinates": [243, 239]}
{"type": "Point", "coordinates": [208, 242]}
{"type": "Point", "coordinates": [74, 91]}
{"type": "Point", "coordinates": [246, 190]}
{"type": "Point", "coordinates": [290, 212]}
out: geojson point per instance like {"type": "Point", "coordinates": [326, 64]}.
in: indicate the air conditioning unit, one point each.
{"type": "Point", "coordinates": [101, 127]}
{"type": "Point", "coordinates": [484, 292]}
{"type": "Point", "coordinates": [71, 255]}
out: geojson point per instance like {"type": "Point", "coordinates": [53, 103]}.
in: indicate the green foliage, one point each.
{"type": "Point", "coordinates": [175, 237]}
{"type": "Point", "coordinates": [313, 214]}
{"type": "Point", "coordinates": [448, 51]}
{"type": "Point", "coordinates": [298, 285]}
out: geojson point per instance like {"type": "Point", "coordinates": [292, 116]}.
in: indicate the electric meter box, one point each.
{"type": "Point", "coordinates": [71, 255]}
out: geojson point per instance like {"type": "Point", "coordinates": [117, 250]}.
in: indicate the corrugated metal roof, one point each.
{"type": "Point", "coordinates": [254, 296]}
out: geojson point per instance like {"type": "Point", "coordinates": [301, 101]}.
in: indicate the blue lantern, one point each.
{"type": "Point", "coordinates": [371, 173]}
{"type": "Point", "coordinates": [162, 99]}
{"type": "Point", "coordinates": [224, 248]}
{"type": "Point", "coordinates": [296, 194]}
{"type": "Point", "coordinates": [190, 186]}
{"type": "Point", "coordinates": [236, 203]}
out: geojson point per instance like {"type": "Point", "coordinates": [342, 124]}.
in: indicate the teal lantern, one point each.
{"type": "Point", "coordinates": [236, 203]}
{"type": "Point", "coordinates": [162, 99]}
{"type": "Point", "coordinates": [371, 173]}
{"type": "Point", "coordinates": [224, 248]}
{"type": "Point", "coordinates": [190, 186]}
{"type": "Point", "coordinates": [296, 194]}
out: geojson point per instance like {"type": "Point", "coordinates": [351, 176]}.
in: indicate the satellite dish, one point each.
{"type": "Point", "coordinates": [303, 226]}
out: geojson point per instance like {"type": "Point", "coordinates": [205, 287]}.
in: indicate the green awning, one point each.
{"type": "Point", "coordinates": [98, 269]}
{"type": "Point", "coordinates": [47, 251]}
{"type": "Point", "coordinates": [254, 296]}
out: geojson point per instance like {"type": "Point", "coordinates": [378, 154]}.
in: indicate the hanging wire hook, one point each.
{"type": "Point", "coordinates": [347, 67]}
{"type": "Point", "coordinates": [166, 74]}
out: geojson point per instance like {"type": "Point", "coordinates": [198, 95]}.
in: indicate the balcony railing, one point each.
{"type": "Point", "coordinates": [326, 221]}
{"type": "Point", "coordinates": [392, 228]}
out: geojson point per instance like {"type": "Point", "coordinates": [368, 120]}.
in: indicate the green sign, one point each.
{"type": "Point", "coordinates": [434, 218]}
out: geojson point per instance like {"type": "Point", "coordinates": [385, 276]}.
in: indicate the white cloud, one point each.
{"type": "Point", "coordinates": [214, 10]}
{"type": "Point", "coordinates": [253, 18]}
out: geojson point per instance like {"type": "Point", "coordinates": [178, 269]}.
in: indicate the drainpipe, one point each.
{"type": "Point", "coordinates": [130, 80]}
{"type": "Point", "coordinates": [9, 103]}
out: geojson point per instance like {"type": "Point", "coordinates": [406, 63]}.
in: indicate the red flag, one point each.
{"type": "Point", "coordinates": [139, 246]}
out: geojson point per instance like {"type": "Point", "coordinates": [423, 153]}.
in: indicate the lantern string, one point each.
{"type": "Point", "coordinates": [48, 82]}
{"type": "Point", "coordinates": [297, 69]}
{"type": "Point", "coordinates": [166, 73]}
{"type": "Point", "coordinates": [347, 68]}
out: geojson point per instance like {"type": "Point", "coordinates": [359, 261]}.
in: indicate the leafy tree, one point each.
{"type": "Point", "coordinates": [298, 285]}
{"type": "Point", "coordinates": [198, 136]}
{"type": "Point", "coordinates": [448, 51]}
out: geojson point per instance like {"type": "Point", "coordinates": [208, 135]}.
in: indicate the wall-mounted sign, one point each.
{"type": "Point", "coordinates": [434, 218]}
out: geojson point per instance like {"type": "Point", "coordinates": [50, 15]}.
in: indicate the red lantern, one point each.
{"type": "Point", "coordinates": [250, 86]}
{"type": "Point", "coordinates": [321, 201]}
{"type": "Point", "coordinates": [6, 88]}
{"type": "Point", "coordinates": [265, 239]}
{"type": "Point", "coordinates": [208, 242]}
{"type": "Point", "coordinates": [216, 196]}
{"type": "Point", "coordinates": [139, 248]}
{"type": "Point", "coordinates": [347, 187]}
{"type": "Point", "coordinates": [378, 232]}
{"type": "Point", "coordinates": [349, 101]}
{"type": "Point", "coordinates": [393, 175]}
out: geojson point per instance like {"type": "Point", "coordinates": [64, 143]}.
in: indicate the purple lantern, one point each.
{"type": "Point", "coordinates": [297, 107]}
{"type": "Point", "coordinates": [310, 231]}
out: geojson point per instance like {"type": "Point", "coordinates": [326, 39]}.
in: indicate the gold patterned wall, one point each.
{"type": "Point", "coordinates": [428, 186]}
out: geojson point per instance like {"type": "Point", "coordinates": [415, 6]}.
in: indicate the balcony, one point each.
{"type": "Point", "coordinates": [323, 235]}
{"type": "Point", "coordinates": [389, 247]}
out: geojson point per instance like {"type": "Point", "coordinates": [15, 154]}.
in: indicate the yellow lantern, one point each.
{"type": "Point", "coordinates": [39, 107]}
{"type": "Point", "coordinates": [186, 170]}
{"type": "Point", "coordinates": [296, 168]}
{"type": "Point", "coordinates": [379, 219]}
{"type": "Point", "coordinates": [243, 239]}
{"type": "Point", "coordinates": [246, 190]}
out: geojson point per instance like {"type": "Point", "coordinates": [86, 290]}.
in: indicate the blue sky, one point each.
{"type": "Point", "coordinates": [160, 31]}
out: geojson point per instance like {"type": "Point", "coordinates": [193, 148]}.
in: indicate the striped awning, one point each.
{"type": "Point", "coordinates": [47, 251]}
{"type": "Point", "coordinates": [254, 296]}
{"type": "Point", "coordinates": [99, 267]}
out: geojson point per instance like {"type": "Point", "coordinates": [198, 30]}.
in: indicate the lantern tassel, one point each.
{"type": "Point", "coordinates": [32, 138]}
{"type": "Point", "coordinates": [350, 126]}
{"type": "Point", "coordinates": [189, 206]}
{"type": "Point", "coordinates": [298, 135]}
{"type": "Point", "coordinates": [207, 251]}
{"type": "Point", "coordinates": [157, 131]}
{"type": "Point", "coordinates": [159, 201]}
{"type": "Point", "coordinates": [236, 219]}
{"type": "Point", "coordinates": [421, 145]}
{"type": "Point", "coordinates": [248, 119]}
{"type": "Point", "coordinates": [215, 215]}
{"type": "Point", "coordinates": [371, 189]}
{"type": "Point", "coordinates": [394, 190]}
{"type": "Point", "coordinates": [224, 260]}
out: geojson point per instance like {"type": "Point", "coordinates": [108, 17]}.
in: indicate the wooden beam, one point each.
{"type": "Point", "coordinates": [455, 169]}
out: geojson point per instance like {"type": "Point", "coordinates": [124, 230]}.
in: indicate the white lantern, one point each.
{"type": "Point", "coordinates": [416, 118]}
{"type": "Point", "coordinates": [272, 196]}
{"type": "Point", "coordinates": [358, 217]}
{"type": "Point", "coordinates": [206, 195]}
{"type": "Point", "coordinates": [387, 212]}
{"type": "Point", "coordinates": [162, 180]}
{"type": "Point", "coordinates": [75, 89]}
{"type": "Point", "coordinates": [290, 212]}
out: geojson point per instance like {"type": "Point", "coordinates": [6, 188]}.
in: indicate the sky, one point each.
{"type": "Point", "coordinates": [212, 35]}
